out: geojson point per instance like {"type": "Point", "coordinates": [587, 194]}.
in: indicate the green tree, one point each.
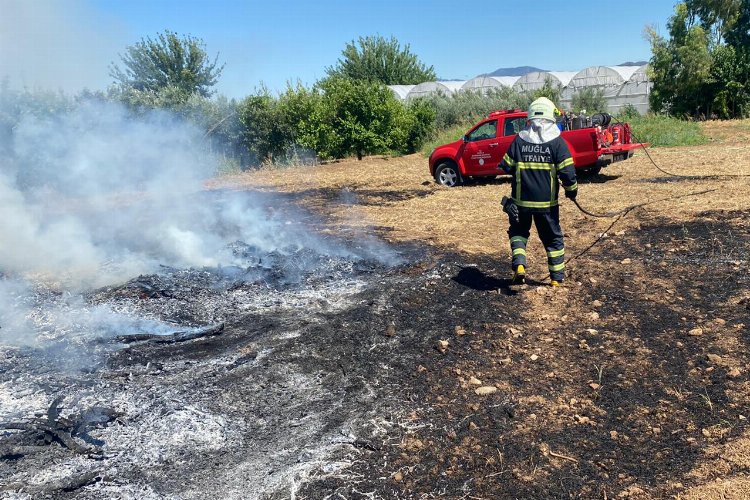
{"type": "Point", "coordinates": [415, 124]}
{"type": "Point", "coordinates": [717, 17]}
{"type": "Point", "coordinates": [377, 59]}
{"type": "Point", "coordinates": [352, 117]}
{"type": "Point", "coordinates": [297, 106]}
{"type": "Point", "coordinates": [265, 131]}
{"type": "Point", "coordinates": [738, 35]}
{"type": "Point", "coordinates": [169, 60]}
{"type": "Point", "coordinates": [680, 67]}
{"type": "Point", "coordinates": [143, 100]}
{"type": "Point", "coordinates": [589, 98]}
{"type": "Point", "coordinates": [729, 82]}
{"type": "Point", "coordinates": [704, 65]}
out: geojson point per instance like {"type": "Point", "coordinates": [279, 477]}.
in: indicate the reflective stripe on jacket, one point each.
{"type": "Point", "coordinates": [538, 170]}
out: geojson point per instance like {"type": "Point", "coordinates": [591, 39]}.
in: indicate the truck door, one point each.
{"type": "Point", "coordinates": [511, 127]}
{"type": "Point", "coordinates": [481, 152]}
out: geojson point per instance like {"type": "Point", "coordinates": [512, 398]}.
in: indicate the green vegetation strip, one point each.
{"type": "Point", "coordinates": [665, 131]}
{"type": "Point", "coordinates": [441, 137]}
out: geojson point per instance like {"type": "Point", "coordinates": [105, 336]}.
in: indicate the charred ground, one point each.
{"type": "Point", "coordinates": [630, 380]}
{"type": "Point", "coordinates": [602, 389]}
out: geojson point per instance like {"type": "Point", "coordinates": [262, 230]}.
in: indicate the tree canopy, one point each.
{"type": "Point", "coordinates": [168, 61]}
{"type": "Point", "coordinates": [377, 59]}
{"type": "Point", "coordinates": [703, 68]}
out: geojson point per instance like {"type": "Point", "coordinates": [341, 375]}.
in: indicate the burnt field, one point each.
{"type": "Point", "coordinates": [406, 369]}
{"type": "Point", "coordinates": [336, 383]}
{"type": "Point", "coordinates": [625, 383]}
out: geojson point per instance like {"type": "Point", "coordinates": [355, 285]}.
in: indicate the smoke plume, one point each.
{"type": "Point", "coordinates": [95, 196]}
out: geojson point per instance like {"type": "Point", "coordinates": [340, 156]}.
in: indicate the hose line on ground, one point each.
{"type": "Point", "coordinates": [622, 213]}
{"type": "Point", "coordinates": [645, 150]}
{"type": "Point", "coordinates": [625, 210]}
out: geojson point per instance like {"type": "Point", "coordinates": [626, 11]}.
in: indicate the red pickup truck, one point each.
{"type": "Point", "coordinates": [479, 152]}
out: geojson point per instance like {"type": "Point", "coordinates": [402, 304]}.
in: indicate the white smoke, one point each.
{"type": "Point", "coordinates": [33, 318]}
{"type": "Point", "coordinates": [95, 195]}
{"type": "Point", "coordinates": [95, 186]}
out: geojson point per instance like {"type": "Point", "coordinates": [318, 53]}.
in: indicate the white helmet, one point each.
{"type": "Point", "coordinates": [543, 108]}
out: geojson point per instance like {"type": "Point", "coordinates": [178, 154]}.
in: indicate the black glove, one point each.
{"type": "Point", "coordinates": [571, 194]}
{"type": "Point", "coordinates": [511, 209]}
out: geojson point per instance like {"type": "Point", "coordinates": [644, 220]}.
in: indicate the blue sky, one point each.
{"type": "Point", "coordinates": [69, 44]}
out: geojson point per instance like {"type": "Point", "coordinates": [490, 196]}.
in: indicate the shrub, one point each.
{"type": "Point", "coordinates": [549, 90]}
{"type": "Point", "coordinates": [353, 117]}
{"type": "Point", "coordinates": [469, 106]}
{"type": "Point", "coordinates": [445, 136]}
{"type": "Point", "coordinates": [628, 112]}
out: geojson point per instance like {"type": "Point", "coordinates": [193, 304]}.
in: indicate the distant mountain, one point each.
{"type": "Point", "coordinates": [629, 63]}
{"type": "Point", "coordinates": [519, 71]}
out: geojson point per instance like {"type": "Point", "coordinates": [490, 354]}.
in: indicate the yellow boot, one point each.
{"type": "Point", "coordinates": [519, 275]}
{"type": "Point", "coordinates": [554, 283]}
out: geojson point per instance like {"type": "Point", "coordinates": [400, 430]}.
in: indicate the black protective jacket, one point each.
{"type": "Point", "coordinates": [538, 170]}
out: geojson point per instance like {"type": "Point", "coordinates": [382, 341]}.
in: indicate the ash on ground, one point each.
{"type": "Point", "coordinates": [253, 412]}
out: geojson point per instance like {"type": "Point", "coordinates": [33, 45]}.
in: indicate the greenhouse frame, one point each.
{"type": "Point", "coordinates": [401, 91]}
{"type": "Point", "coordinates": [537, 79]}
{"type": "Point", "coordinates": [621, 85]}
{"type": "Point", "coordinates": [445, 87]}
{"type": "Point", "coordinates": [484, 83]}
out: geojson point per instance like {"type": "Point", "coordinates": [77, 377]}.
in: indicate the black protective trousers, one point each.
{"type": "Point", "coordinates": [548, 226]}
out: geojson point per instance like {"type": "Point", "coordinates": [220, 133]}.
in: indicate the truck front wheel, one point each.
{"type": "Point", "coordinates": [447, 174]}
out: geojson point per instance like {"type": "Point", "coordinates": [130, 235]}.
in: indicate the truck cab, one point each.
{"type": "Point", "coordinates": [479, 152]}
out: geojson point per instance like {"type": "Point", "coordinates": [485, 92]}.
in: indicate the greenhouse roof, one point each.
{"type": "Point", "coordinates": [401, 91]}
{"type": "Point", "coordinates": [446, 87]}
{"type": "Point", "coordinates": [484, 81]}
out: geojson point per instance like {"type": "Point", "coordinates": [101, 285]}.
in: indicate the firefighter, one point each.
{"type": "Point", "coordinates": [539, 161]}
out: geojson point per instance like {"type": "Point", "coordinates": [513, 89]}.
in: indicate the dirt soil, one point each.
{"type": "Point", "coordinates": [629, 381]}
{"type": "Point", "coordinates": [431, 377]}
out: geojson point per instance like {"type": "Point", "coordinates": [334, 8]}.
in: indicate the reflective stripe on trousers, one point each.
{"type": "Point", "coordinates": [548, 227]}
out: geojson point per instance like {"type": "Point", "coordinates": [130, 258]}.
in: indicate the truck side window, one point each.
{"type": "Point", "coordinates": [514, 126]}
{"type": "Point", "coordinates": [487, 130]}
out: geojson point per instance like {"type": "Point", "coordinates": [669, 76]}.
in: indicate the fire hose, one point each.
{"type": "Point", "coordinates": [621, 213]}
{"type": "Point", "coordinates": [696, 177]}
{"type": "Point", "coordinates": [625, 210]}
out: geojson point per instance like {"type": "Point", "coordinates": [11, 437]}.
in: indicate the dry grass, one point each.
{"type": "Point", "coordinates": [730, 131]}
{"type": "Point", "coordinates": [400, 200]}
{"type": "Point", "coordinates": [398, 195]}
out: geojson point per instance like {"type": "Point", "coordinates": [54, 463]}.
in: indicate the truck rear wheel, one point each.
{"type": "Point", "coordinates": [447, 174]}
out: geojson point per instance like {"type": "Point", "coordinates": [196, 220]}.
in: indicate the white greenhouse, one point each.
{"type": "Point", "coordinates": [446, 87]}
{"type": "Point", "coordinates": [615, 83]}
{"type": "Point", "coordinates": [536, 80]}
{"type": "Point", "coordinates": [484, 83]}
{"type": "Point", "coordinates": [621, 85]}
{"type": "Point", "coordinates": [635, 91]}
{"type": "Point", "coordinates": [401, 91]}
